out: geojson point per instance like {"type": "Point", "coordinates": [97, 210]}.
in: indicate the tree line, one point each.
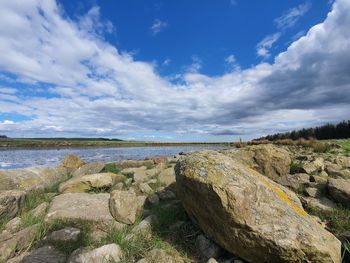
{"type": "Point", "coordinates": [324, 132]}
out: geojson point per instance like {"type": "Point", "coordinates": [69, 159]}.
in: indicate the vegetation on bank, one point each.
{"type": "Point", "coordinates": [66, 143]}
{"type": "Point", "coordinates": [325, 132]}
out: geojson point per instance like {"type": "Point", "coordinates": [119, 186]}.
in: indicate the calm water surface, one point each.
{"type": "Point", "coordinates": [21, 158]}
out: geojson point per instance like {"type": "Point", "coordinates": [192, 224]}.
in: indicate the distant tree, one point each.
{"type": "Point", "coordinates": [324, 132]}
{"type": "Point", "coordinates": [3, 136]}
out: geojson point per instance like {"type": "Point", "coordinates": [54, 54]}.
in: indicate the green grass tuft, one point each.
{"type": "Point", "coordinates": [111, 168]}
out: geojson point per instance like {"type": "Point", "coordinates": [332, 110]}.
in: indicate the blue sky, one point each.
{"type": "Point", "coordinates": [172, 70]}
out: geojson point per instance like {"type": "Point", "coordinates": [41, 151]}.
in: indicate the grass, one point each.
{"type": "Point", "coordinates": [296, 167]}
{"type": "Point", "coordinates": [111, 168]}
{"type": "Point", "coordinates": [338, 219]}
{"type": "Point", "coordinates": [344, 144]}
{"type": "Point", "coordinates": [158, 184]}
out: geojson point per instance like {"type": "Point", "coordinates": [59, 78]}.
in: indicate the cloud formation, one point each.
{"type": "Point", "coordinates": [158, 26]}
{"type": "Point", "coordinates": [73, 82]}
{"type": "Point", "coordinates": [292, 16]}
{"type": "Point", "coordinates": [264, 46]}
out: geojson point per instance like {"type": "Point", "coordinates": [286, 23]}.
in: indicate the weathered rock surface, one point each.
{"type": "Point", "coordinates": [67, 234]}
{"type": "Point", "coordinates": [314, 166]}
{"type": "Point", "coordinates": [10, 203]}
{"type": "Point", "coordinates": [88, 183]}
{"type": "Point", "coordinates": [81, 206]}
{"type": "Point", "coordinates": [46, 254]}
{"type": "Point", "coordinates": [126, 206]}
{"type": "Point", "coordinates": [10, 244]}
{"type": "Point", "coordinates": [322, 203]}
{"type": "Point", "coordinates": [134, 164]}
{"type": "Point", "coordinates": [13, 225]}
{"type": "Point", "coordinates": [339, 189]}
{"type": "Point", "coordinates": [71, 162]}
{"type": "Point", "coordinates": [294, 181]}
{"type": "Point", "coordinates": [31, 178]}
{"type": "Point", "coordinates": [335, 170]}
{"type": "Point", "coordinates": [90, 168]}
{"type": "Point", "coordinates": [343, 161]}
{"type": "Point", "coordinates": [40, 210]}
{"type": "Point", "coordinates": [107, 253]}
{"type": "Point", "coordinates": [207, 249]}
{"type": "Point", "coordinates": [268, 159]}
{"type": "Point", "coordinates": [167, 176]}
{"type": "Point", "coordinates": [248, 214]}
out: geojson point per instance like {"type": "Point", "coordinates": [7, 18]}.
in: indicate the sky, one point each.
{"type": "Point", "coordinates": [180, 70]}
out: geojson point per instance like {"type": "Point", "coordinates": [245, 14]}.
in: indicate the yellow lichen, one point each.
{"type": "Point", "coordinates": [282, 195]}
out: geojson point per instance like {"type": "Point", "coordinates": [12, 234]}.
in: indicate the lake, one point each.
{"type": "Point", "coordinates": [22, 158]}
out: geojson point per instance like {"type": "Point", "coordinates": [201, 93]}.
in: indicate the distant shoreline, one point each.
{"type": "Point", "coordinates": [86, 143]}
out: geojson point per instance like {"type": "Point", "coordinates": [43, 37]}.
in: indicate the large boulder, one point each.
{"type": "Point", "coordinates": [339, 189]}
{"type": "Point", "coordinates": [336, 170]}
{"type": "Point", "coordinates": [267, 159]}
{"type": "Point", "coordinates": [294, 181]}
{"type": "Point", "coordinates": [248, 214]}
{"type": "Point", "coordinates": [75, 207]}
{"type": "Point", "coordinates": [31, 178]}
{"type": "Point", "coordinates": [126, 206]}
{"type": "Point", "coordinates": [88, 183]}
{"type": "Point", "coordinates": [71, 162]}
{"type": "Point", "coordinates": [313, 166]}
{"type": "Point", "coordinates": [10, 203]}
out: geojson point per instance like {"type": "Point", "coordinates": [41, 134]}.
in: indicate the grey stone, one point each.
{"type": "Point", "coordinates": [10, 203]}
{"type": "Point", "coordinates": [46, 254]}
{"type": "Point", "coordinates": [106, 253]}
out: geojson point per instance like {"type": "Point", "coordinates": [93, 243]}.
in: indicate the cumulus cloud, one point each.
{"type": "Point", "coordinates": [158, 26]}
{"type": "Point", "coordinates": [264, 46]}
{"type": "Point", "coordinates": [292, 16]}
{"type": "Point", "coordinates": [91, 88]}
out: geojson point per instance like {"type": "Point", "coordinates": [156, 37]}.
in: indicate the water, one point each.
{"type": "Point", "coordinates": [21, 158]}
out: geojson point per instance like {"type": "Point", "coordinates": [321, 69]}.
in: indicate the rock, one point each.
{"type": "Point", "coordinates": [166, 195]}
{"type": "Point", "coordinates": [335, 170]}
{"type": "Point", "coordinates": [13, 225]}
{"type": "Point", "coordinates": [268, 159]}
{"type": "Point", "coordinates": [87, 183]}
{"type": "Point", "coordinates": [67, 234]}
{"type": "Point", "coordinates": [313, 192]}
{"type": "Point", "coordinates": [294, 181]}
{"type": "Point", "coordinates": [159, 255]}
{"type": "Point", "coordinates": [125, 206]}
{"type": "Point", "coordinates": [343, 161]}
{"type": "Point", "coordinates": [18, 259]}
{"type": "Point", "coordinates": [339, 189]}
{"type": "Point", "coordinates": [31, 178]}
{"type": "Point", "coordinates": [160, 159]}
{"type": "Point", "coordinates": [153, 199]}
{"type": "Point", "coordinates": [206, 248]}
{"type": "Point", "coordinates": [145, 188]}
{"type": "Point", "coordinates": [97, 235]}
{"type": "Point", "coordinates": [320, 179]}
{"type": "Point", "coordinates": [212, 260]}
{"type": "Point", "coordinates": [118, 186]}
{"type": "Point", "coordinates": [11, 244]}
{"type": "Point", "coordinates": [106, 253]}
{"type": "Point", "coordinates": [90, 168]}
{"type": "Point", "coordinates": [314, 166]}
{"type": "Point", "coordinates": [10, 203]}
{"type": "Point", "coordinates": [46, 254]}
{"type": "Point", "coordinates": [167, 176]}
{"type": "Point", "coordinates": [318, 203]}
{"type": "Point", "coordinates": [71, 162]}
{"type": "Point", "coordinates": [248, 214]}
{"type": "Point", "coordinates": [134, 164]}
{"type": "Point", "coordinates": [40, 210]}
{"type": "Point", "coordinates": [73, 207]}
{"type": "Point", "coordinates": [144, 228]}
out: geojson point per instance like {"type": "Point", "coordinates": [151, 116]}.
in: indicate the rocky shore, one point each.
{"type": "Point", "coordinates": [256, 204]}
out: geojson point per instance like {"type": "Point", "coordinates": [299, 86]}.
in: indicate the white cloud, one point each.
{"type": "Point", "coordinates": [292, 16]}
{"type": "Point", "coordinates": [7, 90]}
{"type": "Point", "coordinates": [232, 62]}
{"type": "Point", "coordinates": [264, 46]}
{"type": "Point", "coordinates": [96, 89]}
{"type": "Point", "coordinates": [158, 26]}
